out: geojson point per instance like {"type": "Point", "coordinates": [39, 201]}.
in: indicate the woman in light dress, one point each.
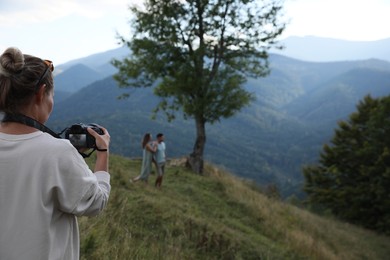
{"type": "Point", "coordinates": [149, 148]}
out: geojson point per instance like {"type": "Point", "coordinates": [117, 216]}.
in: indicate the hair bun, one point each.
{"type": "Point", "coordinates": [11, 61]}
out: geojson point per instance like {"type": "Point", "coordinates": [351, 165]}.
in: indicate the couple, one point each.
{"type": "Point", "coordinates": [153, 151]}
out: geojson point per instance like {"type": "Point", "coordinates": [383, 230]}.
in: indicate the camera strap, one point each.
{"type": "Point", "coordinates": [23, 119]}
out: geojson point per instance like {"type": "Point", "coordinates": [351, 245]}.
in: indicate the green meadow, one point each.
{"type": "Point", "coordinates": [213, 216]}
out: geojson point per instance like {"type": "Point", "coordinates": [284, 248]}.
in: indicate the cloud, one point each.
{"type": "Point", "coordinates": [346, 19]}
{"type": "Point", "coordinates": [22, 12]}
{"type": "Point", "coordinates": [67, 29]}
{"type": "Point", "coordinates": [63, 30]}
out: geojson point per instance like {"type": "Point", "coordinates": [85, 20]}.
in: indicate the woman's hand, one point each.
{"type": "Point", "coordinates": [102, 141]}
{"type": "Point", "coordinates": [102, 147]}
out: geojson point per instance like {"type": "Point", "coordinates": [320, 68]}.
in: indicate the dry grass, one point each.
{"type": "Point", "coordinates": [215, 216]}
{"type": "Point", "coordinates": [303, 232]}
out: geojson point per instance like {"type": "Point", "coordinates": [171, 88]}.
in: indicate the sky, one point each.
{"type": "Point", "coordinates": [64, 30]}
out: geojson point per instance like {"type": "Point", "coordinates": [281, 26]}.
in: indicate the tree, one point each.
{"type": "Point", "coordinates": [353, 175]}
{"type": "Point", "coordinates": [197, 55]}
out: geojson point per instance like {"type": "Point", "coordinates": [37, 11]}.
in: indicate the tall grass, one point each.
{"type": "Point", "coordinates": [215, 216]}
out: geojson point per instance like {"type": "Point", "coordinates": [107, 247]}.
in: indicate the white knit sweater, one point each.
{"type": "Point", "coordinates": [44, 185]}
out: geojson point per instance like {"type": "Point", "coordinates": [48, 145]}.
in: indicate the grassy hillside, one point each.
{"type": "Point", "coordinates": [215, 216]}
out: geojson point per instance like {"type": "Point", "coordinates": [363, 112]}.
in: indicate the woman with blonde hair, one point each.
{"type": "Point", "coordinates": [44, 181]}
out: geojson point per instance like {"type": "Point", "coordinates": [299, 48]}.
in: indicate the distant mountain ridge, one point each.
{"type": "Point", "coordinates": [76, 74]}
{"type": "Point", "coordinates": [76, 77]}
{"type": "Point", "coordinates": [304, 49]}
{"type": "Point", "coordinates": [318, 49]}
{"type": "Point", "coordinates": [350, 86]}
{"type": "Point", "coordinates": [297, 108]}
{"type": "Point", "coordinates": [96, 61]}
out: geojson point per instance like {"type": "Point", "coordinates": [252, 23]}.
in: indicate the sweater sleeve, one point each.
{"type": "Point", "coordinates": [95, 199]}
{"type": "Point", "coordinates": [80, 191]}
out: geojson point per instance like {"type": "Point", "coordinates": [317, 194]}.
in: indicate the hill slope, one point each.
{"type": "Point", "coordinates": [215, 216]}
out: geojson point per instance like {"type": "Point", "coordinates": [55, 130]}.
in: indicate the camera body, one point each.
{"type": "Point", "coordinates": [79, 137]}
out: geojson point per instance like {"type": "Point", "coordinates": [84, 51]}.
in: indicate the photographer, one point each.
{"type": "Point", "coordinates": [44, 181]}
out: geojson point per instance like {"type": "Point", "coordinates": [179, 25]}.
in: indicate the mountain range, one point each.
{"type": "Point", "coordinates": [319, 49]}
{"type": "Point", "coordinates": [296, 110]}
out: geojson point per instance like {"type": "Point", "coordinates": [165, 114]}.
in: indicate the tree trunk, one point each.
{"type": "Point", "coordinates": [195, 160]}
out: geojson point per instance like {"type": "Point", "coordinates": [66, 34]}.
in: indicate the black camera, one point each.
{"type": "Point", "coordinates": [80, 138]}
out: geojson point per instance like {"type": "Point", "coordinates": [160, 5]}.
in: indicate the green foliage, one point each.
{"type": "Point", "coordinates": [215, 216]}
{"type": "Point", "coordinates": [190, 46]}
{"type": "Point", "coordinates": [201, 51]}
{"type": "Point", "coordinates": [353, 177]}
